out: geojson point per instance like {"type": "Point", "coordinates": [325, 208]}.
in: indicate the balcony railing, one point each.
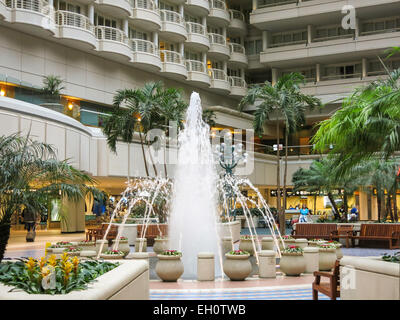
{"type": "Point", "coordinates": [237, 82]}
{"type": "Point", "coordinates": [171, 57]}
{"type": "Point", "coordinates": [72, 19]}
{"type": "Point", "coordinates": [143, 4]}
{"type": "Point", "coordinates": [218, 74]}
{"type": "Point", "coordinates": [139, 45]}
{"type": "Point", "coordinates": [342, 36]}
{"type": "Point", "coordinates": [284, 44]}
{"type": "Point", "coordinates": [273, 3]}
{"type": "Point", "coordinates": [237, 48]}
{"type": "Point", "coordinates": [112, 34]}
{"type": "Point", "coordinates": [217, 4]}
{"type": "Point", "coordinates": [216, 38]}
{"type": "Point", "coordinates": [342, 76]}
{"type": "Point", "coordinates": [195, 66]}
{"type": "Point", "coordinates": [367, 33]}
{"type": "Point", "coordinates": [236, 14]}
{"type": "Point", "coordinates": [29, 5]}
{"type": "Point", "coordinates": [172, 16]}
{"type": "Point", "coordinates": [193, 27]}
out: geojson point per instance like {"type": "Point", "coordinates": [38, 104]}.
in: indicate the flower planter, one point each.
{"type": "Point", "coordinates": [301, 243]}
{"type": "Point", "coordinates": [316, 243]}
{"type": "Point", "coordinates": [237, 267]}
{"type": "Point", "coordinates": [255, 221]}
{"type": "Point", "coordinates": [123, 246]}
{"type": "Point", "coordinates": [98, 245]}
{"type": "Point", "coordinates": [87, 246]}
{"type": "Point", "coordinates": [226, 244]}
{"type": "Point", "coordinates": [327, 259]}
{"type": "Point", "coordinates": [247, 245]}
{"type": "Point", "coordinates": [292, 264]}
{"type": "Point", "coordinates": [339, 253]}
{"type": "Point", "coordinates": [288, 242]}
{"type": "Point", "coordinates": [160, 245]}
{"type": "Point", "coordinates": [112, 256]}
{"type": "Point", "coordinates": [141, 242]}
{"type": "Point", "coordinates": [73, 254]}
{"type": "Point", "coordinates": [169, 268]}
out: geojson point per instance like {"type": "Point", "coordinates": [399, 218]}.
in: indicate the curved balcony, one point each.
{"type": "Point", "coordinates": [113, 43]}
{"type": "Point", "coordinates": [197, 37]}
{"type": "Point", "coordinates": [173, 65]}
{"type": "Point", "coordinates": [32, 16]}
{"type": "Point", "coordinates": [198, 7]}
{"type": "Point", "coordinates": [177, 2]}
{"type": "Point", "coordinates": [145, 55]}
{"type": "Point", "coordinates": [238, 56]}
{"type": "Point", "coordinates": [219, 49]}
{"type": "Point", "coordinates": [145, 15]}
{"type": "Point", "coordinates": [172, 26]}
{"type": "Point", "coordinates": [219, 14]}
{"type": "Point", "coordinates": [238, 86]}
{"type": "Point", "coordinates": [115, 8]}
{"type": "Point", "coordinates": [237, 24]}
{"type": "Point", "coordinates": [3, 10]}
{"type": "Point", "coordinates": [197, 73]}
{"type": "Point", "coordinates": [219, 81]}
{"type": "Point", "coordinates": [76, 29]}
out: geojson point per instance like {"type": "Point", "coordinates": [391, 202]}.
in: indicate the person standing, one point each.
{"type": "Point", "coordinates": [30, 216]}
{"type": "Point", "coordinates": [303, 214]}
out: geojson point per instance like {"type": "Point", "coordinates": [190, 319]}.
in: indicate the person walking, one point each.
{"type": "Point", "coordinates": [303, 214]}
{"type": "Point", "coordinates": [30, 216]}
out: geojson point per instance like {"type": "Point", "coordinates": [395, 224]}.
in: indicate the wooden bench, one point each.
{"type": "Point", "coordinates": [98, 233]}
{"type": "Point", "coordinates": [380, 232]}
{"type": "Point", "coordinates": [331, 288]}
{"type": "Point", "coordinates": [153, 231]}
{"type": "Point", "coordinates": [344, 232]}
{"type": "Point", "coordinates": [314, 230]}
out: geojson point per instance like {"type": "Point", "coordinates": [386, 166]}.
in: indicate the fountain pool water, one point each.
{"type": "Point", "coordinates": [193, 216]}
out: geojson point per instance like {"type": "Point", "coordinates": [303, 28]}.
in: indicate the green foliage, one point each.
{"type": "Point", "coordinates": [392, 258]}
{"type": "Point", "coordinates": [209, 117]}
{"type": "Point", "coordinates": [292, 249]}
{"type": "Point", "coordinates": [238, 253]}
{"type": "Point", "coordinates": [52, 85]}
{"type": "Point", "coordinates": [171, 253]}
{"type": "Point", "coordinates": [18, 275]}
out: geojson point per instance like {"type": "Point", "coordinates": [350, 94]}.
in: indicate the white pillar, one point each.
{"type": "Point", "coordinates": [265, 40]}
{"type": "Point", "coordinates": [51, 3]}
{"type": "Point", "coordinates": [205, 266]}
{"type": "Point", "coordinates": [311, 255]}
{"type": "Point", "coordinates": [204, 22]}
{"type": "Point", "coordinates": [182, 50]}
{"type": "Point", "coordinates": [155, 39]}
{"type": "Point", "coordinates": [274, 75]}
{"type": "Point", "coordinates": [364, 68]}
{"type": "Point", "coordinates": [317, 72]}
{"type": "Point", "coordinates": [91, 13]}
{"type": "Point", "coordinates": [357, 32]}
{"type": "Point", "coordinates": [126, 27]}
{"type": "Point", "coordinates": [181, 11]}
{"type": "Point", "coordinates": [224, 32]}
{"type": "Point", "coordinates": [225, 66]}
{"type": "Point", "coordinates": [310, 33]}
{"type": "Point", "coordinates": [255, 3]}
{"type": "Point", "coordinates": [205, 59]}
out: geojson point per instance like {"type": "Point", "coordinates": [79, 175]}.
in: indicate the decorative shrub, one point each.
{"type": "Point", "coordinates": [114, 252]}
{"type": "Point", "coordinates": [392, 258]}
{"type": "Point", "coordinates": [64, 244]}
{"type": "Point", "coordinates": [293, 249]}
{"type": "Point", "coordinates": [326, 246]}
{"type": "Point", "coordinates": [73, 249]}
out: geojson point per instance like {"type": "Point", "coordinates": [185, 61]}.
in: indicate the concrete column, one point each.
{"type": "Point", "coordinates": [242, 73]}
{"type": "Point", "coordinates": [155, 39]}
{"type": "Point", "coordinates": [317, 72]}
{"type": "Point", "coordinates": [91, 13]}
{"type": "Point", "coordinates": [267, 267]}
{"type": "Point", "coordinates": [181, 10]}
{"type": "Point", "coordinates": [204, 56]}
{"type": "Point", "coordinates": [225, 66]}
{"type": "Point", "coordinates": [205, 266]}
{"type": "Point", "coordinates": [51, 3]}
{"type": "Point", "coordinates": [255, 4]}
{"type": "Point", "coordinates": [204, 22]}
{"type": "Point", "coordinates": [182, 50]}
{"type": "Point", "coordinates": [310, 33]}
{"type": "Point", "coordinates": [265, 42]}
{"type": "Point", "coordinates": [364, 73]}
{"type": "Point", "coordinates": [156, 3]}
{"type": "Point", "coordinates": [125, 24]}
{"type": "Point", "coordinates": [224, 32]}
{"type": "Point", "coordinates": [274, 75]}
{"type": "Point", "coordinates": [363, 206]}
{"type": "Point", "coordinates": [358, 27]}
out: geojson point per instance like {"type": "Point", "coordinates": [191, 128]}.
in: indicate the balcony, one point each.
{"type": "Point", "coordinates": [173, 65]}
{"type": "Point", "coordinates": [145, 55]}
{"type": "Point", "coordinates": [219, 14]}
{"type": "Point", "coordinates": [238, 56]}
{"type": "Point", "coordinates": [219, 49]}
{"type": "Point", "coordinates": [238, 87]}
{"type": "Point", "coordinates": [173, 26]}
{"type": "Point", "coordinates": [197, 73]}
{"type": "Point", "coordinates": [113, 43]}
{"type": "Point", "coordinates": [116, 8]}
{"type": "Point", "coordinates": [75, 29]}
{"type": "Point", "coordinates": [219, 81]}
{"type": "Point", "coordinates": [145, 15]}
{"type": "Point", "coordinates": [237, 25]}
{"type": "Point", "coordinates": [198, 7]}
{"type": "Point", "coordinates": [31, 16]}
{"type": "Point", "coordinates": [197, 37]}
{"type": "Point", "coordinates": [3, 10]}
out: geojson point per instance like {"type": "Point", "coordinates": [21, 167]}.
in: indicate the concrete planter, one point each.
{"type": "Point", "coordinates": [205, 266]}
{"type": "Point", "coordinates": [290, 242]}
{"type": "Point", "coordinates": [169, 268]}
{"type": "Point", "coordinates": [230, 229]}
{"type": "Point", "coordinates": [327, 259]}
{"type": "Point", "coordinates": [141, 242]}
{"type": "Point", "coordinates": [226, 245]}
{"type": "Point", "coordinates": [267, 243]}
{"type": "Point", "coordinates": [292, 264]}
{"type": "Point", "coordinates": [301, 243]}
{"type": "Point", "coordinates": [129, 281]}
{"type": "Point", "coordinates": [160, 245]}
{"type": "Point", "coordinates": [98, 245]}
{"type": "Point", "coordinates": [267, 267]}
{"type": "Point", "coordinates": [247, 245]}
{"type": "Point", "coordinates": [112, 256]}
{"type": "Point", "coordinates": [123, 246]}
{"type": "Point", "coordinates": [87, 246]}
{"type": "Point", "coordinates": [129, 231]}
{"type": "Point", "coordinates": [339, 253]}
{"type": "Point", "coordinates": [311, 254]}
{"type": "Point", "coordinates": [237, 267]}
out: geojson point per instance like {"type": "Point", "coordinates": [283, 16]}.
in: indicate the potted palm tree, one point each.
{"type": "Point", "coordinates": [31, 175]}
{"type": "Point", "coordinates": [237, 265]}
{"type": "Point", "coordinates": [169, 266]}
{"type": "Point", "coordinates": [52, 86]}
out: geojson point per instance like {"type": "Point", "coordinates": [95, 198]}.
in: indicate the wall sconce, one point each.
{"type": "Point", "coordinates": [2, 92]}
{"type": "Point", "coordinates": [70, 106]}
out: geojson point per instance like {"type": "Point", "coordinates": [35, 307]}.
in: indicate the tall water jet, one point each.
{"type": "Point", "coordinates": [192, 224]}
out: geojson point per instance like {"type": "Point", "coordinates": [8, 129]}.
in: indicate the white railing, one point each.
{"type": "Point", "coordinates": [284, 44]}
{"type": "Point", "coordinates": [236, 14]}
{"type": "Point", "coordinates": [171, 16]}
{"type": "Point", "coordinates": [367, 33]}
{"type": "Point", "coordinates": [216, 38]}
{"type": "Point", "coordinates": [217, 4]}
{"type": "Point", "coordinates": [218, 74]}
{"type": "Point", "coordinates": [341, 36]}
{"type": "Point", "coordinates": [193, 27]}
{"type": "Point", "coordinates": [171, 57]}
{"type": "Point", "coordinates": [237, 48]}
{"type": "Point", "coordinates": [30, 5]}
{"type": "Point", "coordinates": [143, 4]}
{"type": "Point", "coordinates": [237, 82]}
{"type": "Point", "coordinates": [109, 33]}
{"type": "Point", "coordinates": [72, 19]}
{"type": "Point", "coordinates": [139, 45]}
{"type": "Point", "coordinates": [195, 66]}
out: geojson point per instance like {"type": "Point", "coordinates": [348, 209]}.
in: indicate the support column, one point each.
{"type": "Point", "coordinates": [204, 22]}
{"type": "Point", "coordinates": [224, 32]}
{"type": "Point", "coordinates": [91, 13]}
{"type": "Point", "coordinates": [317, 72]}
{"type": "Point", "coordinates": [357, 32]}
{"type": "Point", "coordinates": [310, 33]}
{"type": "Point", "coordinates": [274, 75]}
{"type": "Point", "coordinates": [126, 27]}
{"type": "Point", "coordinates": [51, 3]}
{"type": "Point", "coordinates": [363, 206]}
{"type": "Point", "coordinates": [73, 219]}
{"type": "Point", "coordinates": [225, 66]}
{"type": "Point", "coordinates": [204, 56]}
{"type": "Point", "coordinates": [181, 11]}
{"type": "Point", "coordinates": [266, 39]}
{"type": "Point", "coordinates": [364, 73]}
{"type": "Point", "coordinates": [255, 4]}
{"type": "Point", "coordinates": [155, 40]}
{"type": "Point", "coordinates": [182, 50]}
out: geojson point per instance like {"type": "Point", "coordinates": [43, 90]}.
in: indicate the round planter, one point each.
{"type": "Point", "coordinates": [226, 244]}
{"type": "Point", "coordinates": [327, 259]}
{"type": "Point", "coordinates": [292, 264]}
{"type": "Point", "coordinates": [160, 245]}
{"type": "Point", "coordinates": [339, 253]}
{"type": "Point", "coordinates": [57, 250]}
{"type": "Point", "coordinates": [237, 267]}
{"type": "Point", "coordinates": [247, 245]}
{"type": "Point", "coordinates": [123, 246]}
{"type": "Point", "coordinates": [142, 241]}
{"type": "Point", "coordinates": [87, 246]}
{"type": "Point", "coordinates": [289, 242]}
{"type": "Point", "coordinates": [112, 256]}
{"type": "Point", "coordinates": [169, 268]}
{"type": "Point", "coordinates": [301, 243]}
{"type": "Point", "coordinates": [105, 246]}
{"type": "Point", "coordinates": [315, 244]}
{"type": "Point", "coordinates": [74, 254]}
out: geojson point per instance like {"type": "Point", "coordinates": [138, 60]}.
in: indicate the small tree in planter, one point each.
{"type": "Point", "coordinates": [52, 86]}
{"type": "Point", "coordinates": [327, 256]}
{"type": "Point", "coordinates": [292, 262]}
{"type": "Point", "coordinates": [169, 266]}
{"type": "Point", "coordinates": [237, 265]}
